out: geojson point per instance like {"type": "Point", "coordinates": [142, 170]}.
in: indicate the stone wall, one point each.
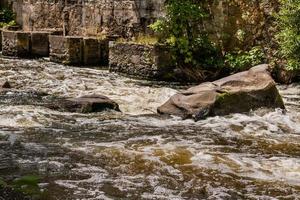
{"type": "Point", "coordinates": [5, 3]}
{"type": "Point", "coordinates": [242, 23]}
{"type": "Point", "coordinates": [25, 44]}
{"type": "Point", "coordinates": [232, 23]}
{"type": "Point", "coordinates": [88, 17]}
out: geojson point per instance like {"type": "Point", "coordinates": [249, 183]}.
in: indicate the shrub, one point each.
{"type": "Point", "coordinates": [6, 18]}
{"type": "Point", "coordinates": [6, 15]}
{"type": "Point", "coordinates": [289, 35]}
{"type": "Point", "coordinates": [11, 23]}
{"type": "Point", "coordinates": [243, 60]}
{"type": "Point", "coordinates": [181, 30]}
{"type": "Point", "coordinates": [145, 39]}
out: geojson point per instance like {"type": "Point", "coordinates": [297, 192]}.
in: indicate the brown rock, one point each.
{"type": "Point", "coordinates": [237, 93]}
{"type": "Point", "coordinates": [90, 104]}
{"type": "Point", "coordinates": [5, 85]}
{"type": "Point", "coordinates": [84, 104]}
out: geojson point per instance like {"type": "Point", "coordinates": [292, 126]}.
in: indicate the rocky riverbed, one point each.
{"type": "Point", "coordinates": [136, 154]}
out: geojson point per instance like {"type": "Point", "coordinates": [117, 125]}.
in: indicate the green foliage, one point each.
{"type": "Point", "coordinates": [157, 26]}
{"type": "Point", "coordinates": [2, 182]}
{"type": "Point", "coordinates": [181, 30]}
{"type": "Point", "coordinates": [6, 18]}
{"type": "Point", "coordinates": [6, 15]}
{"type": "Point", "coordinates": [243, 60]}
{"type": "Point", "coordinates": [11, 23]}
{"type": "Point", "coordinates": [289, 35]}
{"type": "Point", "coordinates": [145, 39]}
{"type": "Point", "coordinates": [28, 185]}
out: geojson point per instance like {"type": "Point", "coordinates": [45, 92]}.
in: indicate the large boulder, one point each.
{"type": "Point", "coordinates": [237, 93]}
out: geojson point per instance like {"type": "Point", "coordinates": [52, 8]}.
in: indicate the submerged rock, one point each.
{"type": "Point", "coordinates": [89, 104]}
{"type": "Point", "coordinates": [5, 85]}
{"type": "Point", "coordinates": [237, 93]}
{"type": "Point", "coordinates": [84, 104]}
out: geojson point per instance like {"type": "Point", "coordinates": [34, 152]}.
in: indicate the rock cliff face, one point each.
{"type": "Point", "coordinates": [242, 23]}
{"type": "Point", "coordinates": [232, 23]}
{"type": "Point", "coordinates": [89, 17]}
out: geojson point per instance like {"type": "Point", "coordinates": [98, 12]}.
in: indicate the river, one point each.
{"type": "Point", "coordinates": [138, 155]}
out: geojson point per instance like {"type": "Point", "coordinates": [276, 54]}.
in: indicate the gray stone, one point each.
{"type": "Point", "coordinates": [95, 51]}
{"type": "Point", "coordinates": [40, 44]}
{"type": "Point", "coordinates": [91, 51]}
{"type": "Point", "coordinates": [143, 61]}
{"type": "Point", "coordinates": [90, 104]}
{"type": "Point", "coordinates": [84, 104]}
{"type": "Point", "coordinates": [89, 18]}
{"type": "Point", "coordinates": [237, 93]}
{"type": "Point", "coordinates": [104, 52]}
{"type": "Point", "coordinates": [15, 43]}
{"type": "Point", "coordinates": [66, 50]}
{"type": "Point", "coordinates": [0, 39]}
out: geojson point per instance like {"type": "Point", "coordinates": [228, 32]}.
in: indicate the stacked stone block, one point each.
{"type": "Point", "coordinates": [0, 39]}
{"type": "Point", "coordinates": [143, 61]}
{"type": "Point", "coordinates": [91, 51]}
{"type": "Point", "coordinates": [71, 50]}
{"type": "Point", "coordinates": [25, 44]}
{"type": "Point", "coordinates": [66, 50]}
{"type": "Point", "coordinates": [16, 43]}
{"type": "Point", "coordinates": [40, 44]}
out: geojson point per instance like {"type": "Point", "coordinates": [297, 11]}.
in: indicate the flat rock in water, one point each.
{"type": "Point", "coordinates": [237, 93]}
{"type": "Point", "coordinates": [84, 104]}
{"type": "Point", "coordinates": [90, 104]}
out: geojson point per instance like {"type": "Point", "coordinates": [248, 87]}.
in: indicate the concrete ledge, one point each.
{"type": "Point", "coordinates": [141, 61]}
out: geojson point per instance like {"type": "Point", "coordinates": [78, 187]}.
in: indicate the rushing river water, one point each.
{"type": "Point", "coordinates": [138, 155]}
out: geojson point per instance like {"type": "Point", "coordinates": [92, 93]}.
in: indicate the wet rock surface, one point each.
{"type": "Point", "coordinates": [84, 104]}
{"type": "Point", "coordinates": [237, 93]}
{"type": "Point", "coordinates": [5, 84]}
{"type": "Point", "coordinates": [90, 103]}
